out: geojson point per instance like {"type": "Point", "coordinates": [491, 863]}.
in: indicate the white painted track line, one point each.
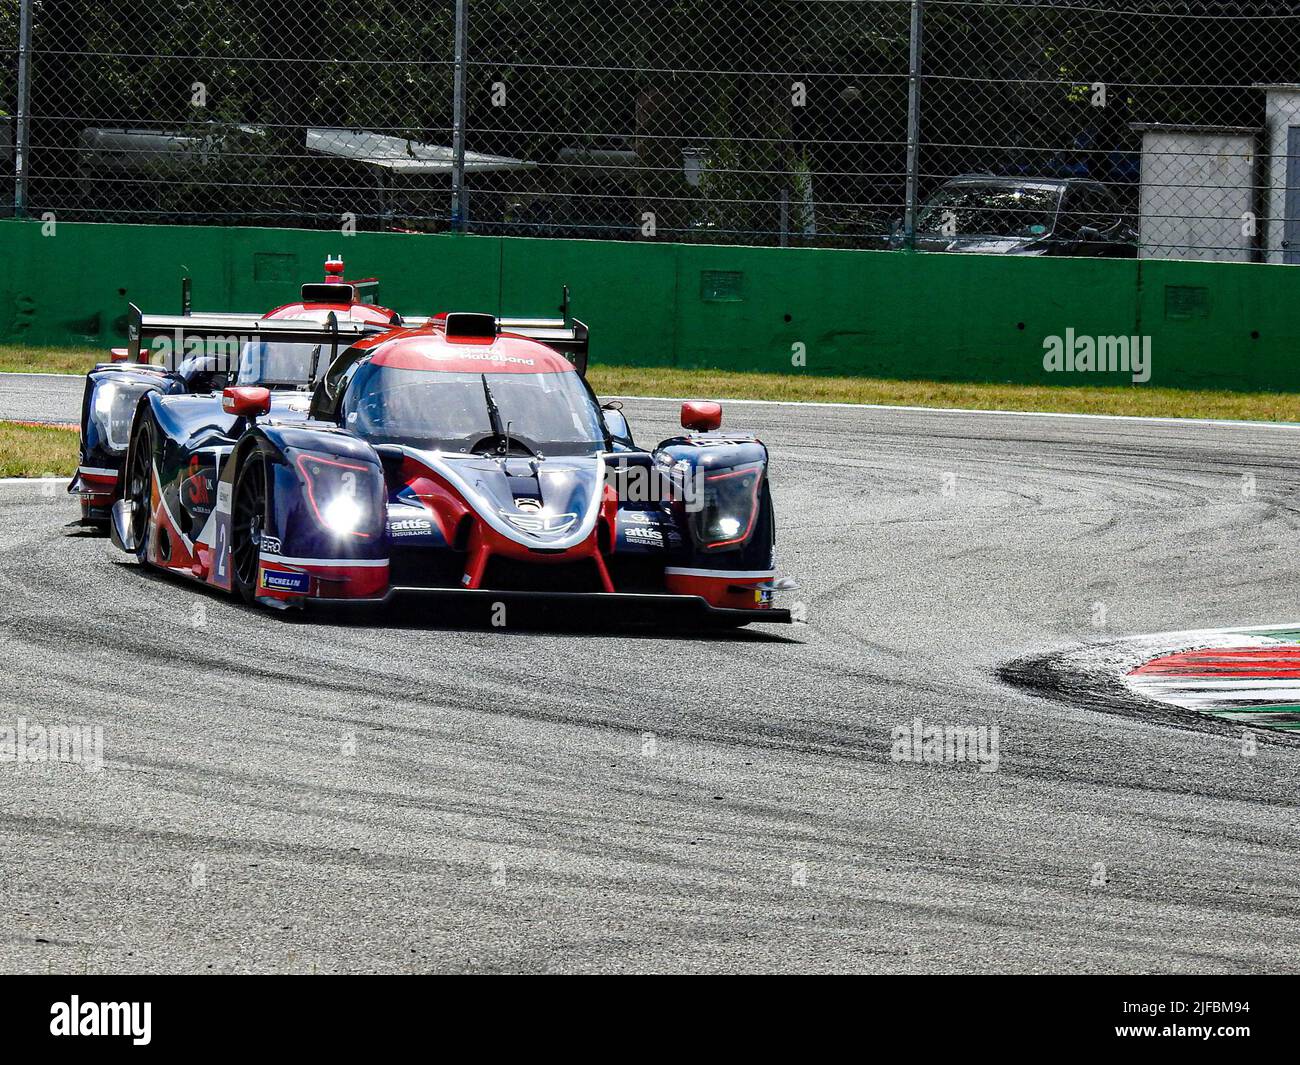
{"type": "Point", "coordinates": [969, 410]}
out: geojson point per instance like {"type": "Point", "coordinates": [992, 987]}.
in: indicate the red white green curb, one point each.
{"type": "Point", "coordinates": [1246, 676]}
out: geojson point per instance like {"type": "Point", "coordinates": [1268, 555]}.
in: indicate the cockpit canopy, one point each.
{"type": "Point", "coordinates": [549, 412]}
{"type": "Point", "coordinates": [276, 364]}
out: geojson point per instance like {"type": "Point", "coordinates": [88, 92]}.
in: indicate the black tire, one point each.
{"type": "Point", "coordinates": [247, 518]}
{"type": "Point", "coordinates": [138, 485]}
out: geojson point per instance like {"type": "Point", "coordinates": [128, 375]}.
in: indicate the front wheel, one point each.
{"type": "Point", "coordinates": [139, 487]}
{"type": "Point", "coordinates": [248, 517]}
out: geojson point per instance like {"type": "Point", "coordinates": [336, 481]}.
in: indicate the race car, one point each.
{"type": "Point", "coordinates": [462, 456]}
{"type": "Point", "coordinates": [113, 389]}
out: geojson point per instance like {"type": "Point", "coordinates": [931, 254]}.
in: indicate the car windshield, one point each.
{"type": "Point", "coordinates": [990, 211]}
{"type": "Point", "coordinates": [551, 413]}
{"type": "Point", "coordinates": [275, 363]}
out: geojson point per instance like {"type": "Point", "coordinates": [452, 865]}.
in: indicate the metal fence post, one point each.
{"type": "Point", "coordinates": [21, 154]}
{"type": "Point", "coordinates": [913, 125]}
{"type": "Point", "coordinates": [459, 206]}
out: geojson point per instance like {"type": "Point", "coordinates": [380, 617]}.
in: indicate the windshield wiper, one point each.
{"type": "Point", "coordinates": [499, 430]}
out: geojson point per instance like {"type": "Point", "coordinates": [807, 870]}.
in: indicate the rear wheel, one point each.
{"type": "Point", "coordinates": [139, 486]}
{"type": "Point", "coordinates": [248, 516]}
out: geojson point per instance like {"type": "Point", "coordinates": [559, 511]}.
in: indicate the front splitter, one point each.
{"type": "Point", "coordinates": [639, 606]}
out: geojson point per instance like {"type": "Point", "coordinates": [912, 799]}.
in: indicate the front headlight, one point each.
{"type": "Point", "coordinates": [113, 411]}
{"type": "Point", "coordinates": [725, 520]}
{"type": "Point", "coordinates": [342, 494]}
{"type": "Point", "coordinates": [343, 513]}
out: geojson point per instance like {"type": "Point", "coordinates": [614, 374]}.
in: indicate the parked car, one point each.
{"type": "Point", "coordinates": [1023, 216]}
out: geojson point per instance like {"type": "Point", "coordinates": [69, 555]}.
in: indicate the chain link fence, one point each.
{"type": "Point", "coordinates": [1110, 127]}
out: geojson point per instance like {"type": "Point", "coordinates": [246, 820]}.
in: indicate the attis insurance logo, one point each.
{"type": "Point", "coordinates": [410, 527]}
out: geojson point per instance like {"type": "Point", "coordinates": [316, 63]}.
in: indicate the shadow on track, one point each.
{"type": "Point", "coordinates": [521, 616]}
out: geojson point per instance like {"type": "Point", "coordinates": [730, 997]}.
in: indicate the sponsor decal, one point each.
{"type": "Point", "coordinates": [480, 356]}
{"type": "Point", "coordinates": [196, 490]}
{"type": "Point", "coordinates": [410, 527]}
{"type": "Point", "coordinates": [285, 581]}
{"type": "Point", "coordinates": [644, 535]}
{"type": "Point", "coordinates": [647, 529]}
{"type": "Point", "coordinates": [270, 545]}
{"type": "Point", "coordinates": [705, 441]}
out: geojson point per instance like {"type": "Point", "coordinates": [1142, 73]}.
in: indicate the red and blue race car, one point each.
{"type": "Point", "coordinates": [113, 389]}
{"type": "Point", "coordinates": [335, 452]}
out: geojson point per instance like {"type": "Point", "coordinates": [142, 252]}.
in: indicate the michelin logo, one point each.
{"type": "Point", "coordinates": [280, 581]}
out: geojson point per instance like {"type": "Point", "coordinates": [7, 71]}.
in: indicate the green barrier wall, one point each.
{"type": "Point", "coordinates": [882, 314]}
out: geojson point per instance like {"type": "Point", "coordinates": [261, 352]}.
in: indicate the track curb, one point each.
{"type": "Point", "coordinates": [1094, 677]}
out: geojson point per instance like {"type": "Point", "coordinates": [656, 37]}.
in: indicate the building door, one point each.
{"type": "Point", "coordinates": [1291, 224]}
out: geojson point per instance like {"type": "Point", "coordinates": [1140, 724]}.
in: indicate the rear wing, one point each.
{"type": "Point", "coordinates": [565, 334]}
{"type": "Point", "coordinates": [568, 336]}
{"type": "Point", "coordinates": [168, 340]}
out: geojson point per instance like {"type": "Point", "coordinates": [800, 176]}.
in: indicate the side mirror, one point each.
{"type": "Point", "coordinates": [1087, 233]}
{"type": "Point", "coordinates": [246, 401]}
{"type": "Point", "coordinates": [616, 422]}
{"type": "Point", "coordinates": [701, 417]}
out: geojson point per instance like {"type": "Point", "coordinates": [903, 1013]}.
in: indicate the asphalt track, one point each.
{"type": "Point", "coordinates": [333, 796]}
